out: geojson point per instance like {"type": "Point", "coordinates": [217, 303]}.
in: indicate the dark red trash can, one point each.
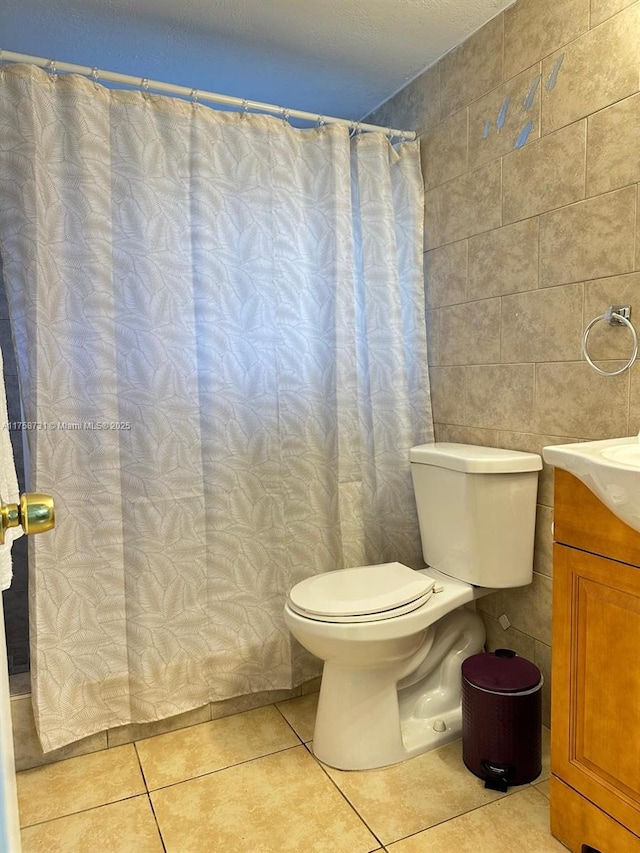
{"type": "Point", "coordinates": [502, 718]}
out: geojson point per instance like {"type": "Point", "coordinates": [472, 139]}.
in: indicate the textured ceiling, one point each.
{"type": "Point", "coordinates": [336, 57]}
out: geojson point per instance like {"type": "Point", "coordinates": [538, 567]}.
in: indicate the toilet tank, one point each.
{"type": "Point", "coordinates": [477, 511]}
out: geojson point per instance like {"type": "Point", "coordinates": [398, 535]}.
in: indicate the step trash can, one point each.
{"type": "Point", "coordinates": [502, 718]}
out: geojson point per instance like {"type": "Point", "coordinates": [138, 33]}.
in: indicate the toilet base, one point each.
{"type": "Point", "coordinates": [375, 716]}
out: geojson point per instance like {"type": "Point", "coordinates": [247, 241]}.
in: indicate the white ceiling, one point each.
{"type": "Point", "coordinates": [335, 57]}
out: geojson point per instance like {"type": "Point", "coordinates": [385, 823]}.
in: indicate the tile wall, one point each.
{"type": "Point", "coordinates": [530, 140]}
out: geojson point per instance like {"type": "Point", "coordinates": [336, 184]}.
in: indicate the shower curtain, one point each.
{"type": "Point", "coordinates": [220, 328]}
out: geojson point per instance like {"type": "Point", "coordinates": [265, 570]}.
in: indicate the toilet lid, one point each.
{"type": "Point", "coordinates": [361, 594]}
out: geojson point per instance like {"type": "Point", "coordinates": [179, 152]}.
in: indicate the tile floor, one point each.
{"type": "Point", "coordinates": [250, 783]}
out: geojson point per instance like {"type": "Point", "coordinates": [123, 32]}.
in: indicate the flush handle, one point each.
{"type": "Point", "coordinates": [35, 512]}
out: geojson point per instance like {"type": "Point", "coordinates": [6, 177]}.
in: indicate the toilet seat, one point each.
{"type": "Point", "coordinates": [363, 594]}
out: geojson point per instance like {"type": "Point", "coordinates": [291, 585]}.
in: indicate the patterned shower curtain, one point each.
{"type": "Point", "coordinates": [220, 328]}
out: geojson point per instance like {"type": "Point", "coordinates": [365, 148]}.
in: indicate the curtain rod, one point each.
{"type": "Point", "coordinates": [196, 94]}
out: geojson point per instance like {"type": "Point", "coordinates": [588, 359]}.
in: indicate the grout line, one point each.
{"type": "Point", "coordinates": [222, 769]}
{"type": "Point", "coordinates": [84, 811]}
{"type": "Point", "coordinates": [155, 817]}
{"type": "Point", "coordinates": [144, 778]}
{"type": "Point", "coordinates": [275, 705]}
{"type": "Point", "coordinates": [344, 796]}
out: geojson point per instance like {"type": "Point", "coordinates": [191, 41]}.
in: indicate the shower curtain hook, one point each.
{"type": "Point", "coordinates": [285, 115]}
{"type": "Point", "coordinates": [245, 107]}
{"type": "Point", "coordinates": [321, 123]}
{"type": "Point", "coordinates": [194, 98]}
{"type": "Point", "coordinates": [144, 84]}
{"type": "Point", "coordinates": [95, 76]}
{"type": "Point", "coordinates": [356, 130]}
{"type": "Point", "coordinates": [53, 71]}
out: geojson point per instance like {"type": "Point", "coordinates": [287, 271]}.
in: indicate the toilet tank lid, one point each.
{"type": "Point", "coordinates": [473, 459]}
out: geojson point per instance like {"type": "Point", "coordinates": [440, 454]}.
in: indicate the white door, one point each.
{"type": "Point", "coordinates": [9, 822]}
{"type": "Point", "coordinates": [35, 513]}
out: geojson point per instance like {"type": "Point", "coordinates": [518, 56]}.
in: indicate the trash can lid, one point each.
{"type": "Point", "coordinates": [501, 671]}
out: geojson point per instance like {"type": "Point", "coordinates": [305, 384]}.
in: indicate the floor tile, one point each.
{"type": "Point", "coordinates": [282, 803]}
{"type": "Point", "coordinates": [518, 823]}
{"type": "Point", "coordinates": [125, 827]}
{"type": "Point", "coordinates": [181, 755]}
{"type": "Point", "coordinates": [543, 788]}
{"type": "Point", "coordinates": [300, 713]}
{"type": "Point", "coordinates": [75, 784]}
{"type": "Point", "coordinates": [408, 797]}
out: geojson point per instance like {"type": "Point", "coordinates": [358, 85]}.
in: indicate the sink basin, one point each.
{"type": "Point", "coordinates": [610, 468]}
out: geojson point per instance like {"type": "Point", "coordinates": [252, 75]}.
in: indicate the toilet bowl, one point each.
{"type": "Point", "coordinates": [392, 638]}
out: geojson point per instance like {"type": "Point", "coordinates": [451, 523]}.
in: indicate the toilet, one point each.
{"type": "Point", "coordinates": [393, 638]}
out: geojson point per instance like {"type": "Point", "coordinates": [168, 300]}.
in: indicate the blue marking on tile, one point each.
{"type": "Point", "coordinates": [524, 135]}
{"type": "Point", "coordinates": [553, 76]}
{"type": "Point", "coordinates": [531, 94]}
{"type": "Point", "coordinates": [503, 113]}
{"type": "Point", "coordinates": [485, 133]}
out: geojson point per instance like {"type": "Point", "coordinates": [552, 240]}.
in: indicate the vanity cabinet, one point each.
{"type": "Point", "coordinates": [595, 718]}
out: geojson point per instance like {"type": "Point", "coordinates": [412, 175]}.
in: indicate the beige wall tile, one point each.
{"type": "Point", "coordinates": [311, 686]}
{"type": "Point", "coordinates": [471, 69]}
{"type": "Point", "coordinates": [542, 659]}
{"type": "Point", "coordinates": [465, 206]}
{"type": "Point", "coordinates": [634, 400]}
{"type": "Point", "coordinates": [128, 734]}
{"type": "Point", "coordinates": [574, 400]}
{"type": "Point", "coordinates": [470, 333]}
{"type": "Point", "coordinates": [509, 638]}
{"type": "Point", "coordinates": [26, 746]}
{"type": "Point", "coordinates": [498, 119]}
{"type": "Point", "coordinates": [447, 394]}
{"type": "Point", "coordinates": [504, 260]}
{"type": "Point", "coordinates": [467, 435]}
{"type": "Point", "coordinates": [535, 28]}
{"type": "Point", "coordinates": [554, 229]}
{"type": "Point", "coordinates": [613, 152]}
{"type": "Point", "coordinates": [416, 107]}
{"type": "Point", "coordinates": [532, 443]}
{"type": "Point", "coordinates": [500, 396]}
{"type": "Point", "coordinates": [603, 9]}
{"type": "Point", "coordinates": [445, 272]}
{"type": "Point", "coordinates": [546, 174]}
{"type": "Point", "coordinates": [556, 310]}
{"type": "Point", "coordinates": [528, 608]}
{"type": "Point", "coordinates": [637, 264]}
{"type": "Point", "coordinates": [443, 150]}
{"type": "Point", "coordinates": [433, 336]}
{"type": "Point", "coordinates": [591, 239]}
{"type": "Point", "coordinates": [598, 69]}
{"type": "Point", "coordinates": [605, 341]}
{"type": "Point", "coordinates": [543, 554]}
{"type": "Point", "coordinates": [250, 701]}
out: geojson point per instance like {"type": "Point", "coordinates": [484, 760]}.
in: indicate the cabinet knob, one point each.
{"type": "Point", "coordinates": [35, 512]}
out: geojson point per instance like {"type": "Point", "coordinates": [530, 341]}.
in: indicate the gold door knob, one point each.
{"type": "Point", "coordinates": [35, 512]}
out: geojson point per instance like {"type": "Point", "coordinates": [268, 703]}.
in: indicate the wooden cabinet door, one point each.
{"type": "Point", "coordinates": [595, 726]}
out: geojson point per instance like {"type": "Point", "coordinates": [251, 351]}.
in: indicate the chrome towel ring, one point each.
{"type": "Point", "coordinates": [615, 315]}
